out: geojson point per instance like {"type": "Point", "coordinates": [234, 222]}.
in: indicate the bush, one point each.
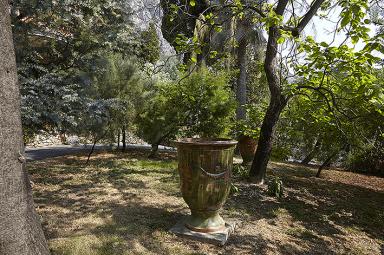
{"type": "Point", "coordinates": [370, 160]}
{"type": "Point", "coordinates": [199, 105]}
{"type": "Point", "coordinates": [281, 152]}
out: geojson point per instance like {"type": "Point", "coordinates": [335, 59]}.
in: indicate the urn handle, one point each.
{"type": "Point", "coordinates": [214, 176]}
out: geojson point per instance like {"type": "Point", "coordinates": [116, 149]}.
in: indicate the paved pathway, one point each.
{"type": "Point", "coordinates": [41, 153]}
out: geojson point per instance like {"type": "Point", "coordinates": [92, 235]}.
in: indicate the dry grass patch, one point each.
{"type": "Point", "coordinates": [124, 203]}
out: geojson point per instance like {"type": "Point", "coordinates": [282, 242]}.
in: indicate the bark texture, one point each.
{"type": "Point", "coordinates": [241, 89]}
{"type": "Point", "coordinates": [276, 104]}
{"type": "Point", "coordinates": [20, 228]}
{"type": "Point", "coordinates": [264, 147]}
{"type": "Point", "coordinates": [312, 153]}
{"type": "Point", "coordinates": [118, 139]}
{"type": "Point", "coordinates": [328, 161]}
{"type": "Point", "coordinates": [154, 150]}
{"type": "Point", "coordinates": [124, 139]}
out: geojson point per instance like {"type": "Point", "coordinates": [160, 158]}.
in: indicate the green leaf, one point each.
{"type": "Point", "coordinates": [355, 39]}
{"type": "Point", "coordinates": [344, 21]}
{"type": "Point", "coordinates": [193, 59]}
{"type": "Point", "coordinates": [281, 40]}
{"type": "Point", "coordinates": [213, 54]}
{"type": "Point", "coordinates": [192, 2]}
{"type": "Point", "coordinates": [218, 29]}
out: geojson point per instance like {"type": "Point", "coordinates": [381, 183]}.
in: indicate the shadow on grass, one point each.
{"type": "Point", "coordinates": [137, 223]}
{"type": "Point", "coordinates": [125, 191]}
{"type": "Point", "coordinates": [99, 208]}
{"type": "Point", "coordinates": [322, 207]}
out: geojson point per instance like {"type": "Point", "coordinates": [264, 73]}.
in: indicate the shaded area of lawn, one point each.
{"type": "Point", "coordinates": [323, 216]}
{"type": "Point", "coordinates": [123, 203]}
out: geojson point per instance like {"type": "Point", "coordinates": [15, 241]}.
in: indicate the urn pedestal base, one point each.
{"type": "Point", "coordinates": [205, 223]}
{"type": "Point", "coordinates": [219, 237]}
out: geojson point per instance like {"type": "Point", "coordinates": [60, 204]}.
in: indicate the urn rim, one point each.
{"type": "Point", "coordinates": [216, 142]}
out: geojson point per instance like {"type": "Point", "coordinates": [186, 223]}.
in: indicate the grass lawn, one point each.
{"type": "Point", "coordinates": [124, 203]}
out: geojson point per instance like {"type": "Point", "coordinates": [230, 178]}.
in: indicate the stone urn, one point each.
{"type": "Point", "coordinates": [247, 147]}
{"type": "Point", "coordinates": [205, 169]}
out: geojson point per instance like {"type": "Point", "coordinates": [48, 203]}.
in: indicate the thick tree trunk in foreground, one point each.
{"type": "Point", "coordinates": [241, 89]}
{"type": "Point", "coordinates": [20, 228]}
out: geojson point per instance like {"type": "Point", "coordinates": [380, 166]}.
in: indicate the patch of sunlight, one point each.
{"type": "Point", "coordinates": [280, 212]}
{"type": "Point", "coordinates": [300, 232]}
{"type": "Point", "coordinates": [89, 245]}
{"type": "Point", "coordinates": [155, 164]}
{"type": "Point", "coordinates": [90, 221]}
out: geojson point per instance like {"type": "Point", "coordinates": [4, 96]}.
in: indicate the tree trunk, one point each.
{"type": "Point", "coordinates": [118, 139]}
{"type": "Point", "coordinates": [311, 154]}
{"type": "Point", "coordinates": [278, 101]}
{"type": "Point", "coordinates": [241, 89]}
{"type": "Point", "coordinates": [123, 138]}
{"type": "Point", "coordinates": [276, 104]}
{"type": "Point", "coordinates": [63, 138]}
{"type": "Point", "coordinates": [264, 147]}
{"type": "Point", "coordinates": [154, 149]}
{"type": "Point", "coordinates": [20, 228]}
{"type": "Point", "coordinates": [91, 151]}
{"type": "Point", "coordinates": [328, 161]}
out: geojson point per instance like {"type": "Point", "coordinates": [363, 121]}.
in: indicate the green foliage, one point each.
{"type": "Point", "coordinates": [353, 14]}
{"type": "Point", "coordinates": [250, 126]}
{"type": "Point", "coordinates": [275, 187]}
{"type": "Point", "coordinates": [234, 189]}
{"type": "Point", "coordinates": [73, 59]}
{"type": "Point", "coordinates": [49, 100]}
{"type": "Point", "coordinates": [281, 150]}
{"type": "Point", "coordinates": [150, 44]}
{"type": "Point", "coordinates": [346, 111]}
{"type": "Point", "coordinates": [369, 160]}
{"type": "Point", "coordinates": [337, 102]}
{"type": "Point", "coordinates": [115, 96]}
{"type": "Point", "coordinates": [95, 120]}
{"type": "Point", "coordinates": [201, 104]}
{"type": "Point", "coordinates": [240, 171]}
{"type": "Point", "coordinates": [179, 20]}
{"type": "Point", "coordinates": [67, 34]}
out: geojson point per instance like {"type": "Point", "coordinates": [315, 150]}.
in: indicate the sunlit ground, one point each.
{"type": "Point", "coordinates": [124, 203]}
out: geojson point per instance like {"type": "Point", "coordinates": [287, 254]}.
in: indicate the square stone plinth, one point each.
{"type": "Point", "coordinates": [218, 237]}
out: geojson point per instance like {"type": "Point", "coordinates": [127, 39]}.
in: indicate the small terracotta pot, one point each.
{"type": "Point", "coordinates": [247, 146]}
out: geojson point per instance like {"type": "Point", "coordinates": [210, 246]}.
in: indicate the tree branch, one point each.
{"type": "Point", "coordinates": [308, 16]}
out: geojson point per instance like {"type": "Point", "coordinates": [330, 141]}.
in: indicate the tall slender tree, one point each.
{"type": "Point", "coordinates": [278, 100]}
{"type": "Point", "coordinates": [20, 229]}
